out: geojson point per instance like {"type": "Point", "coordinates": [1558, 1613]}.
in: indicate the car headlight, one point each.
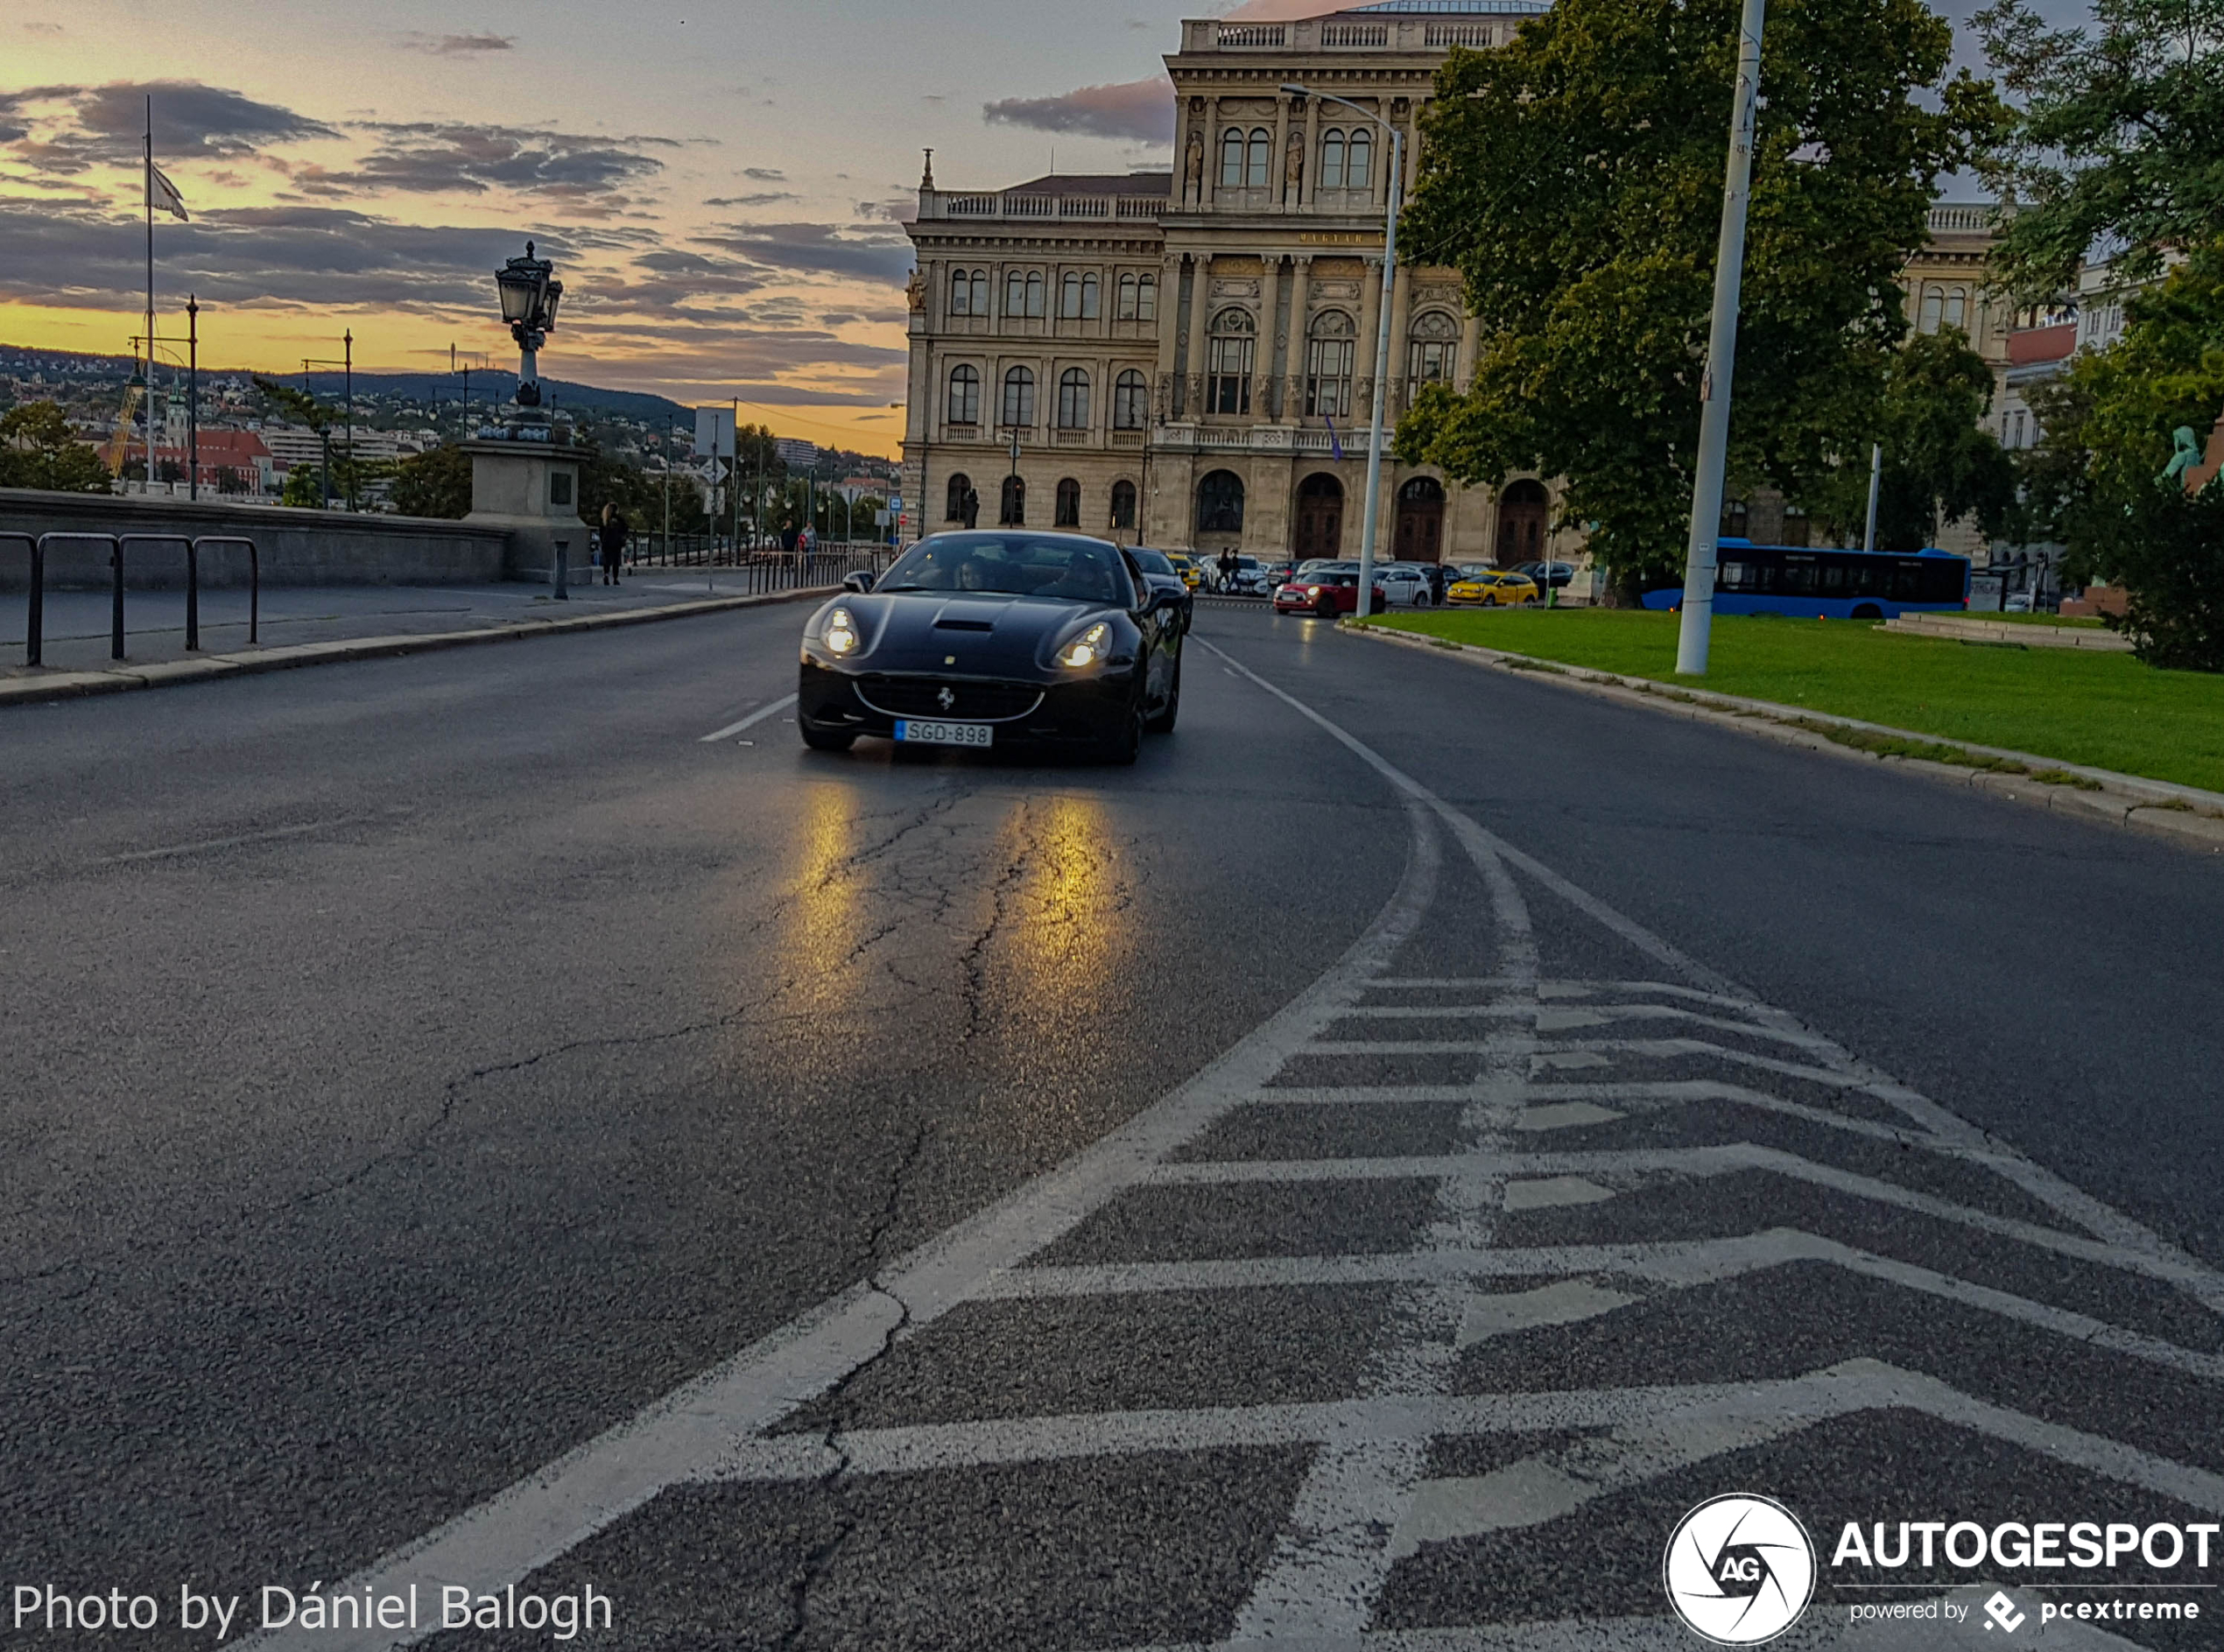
{"type": "Point", "coordinates": [1087, 649]}
{"type": "Point", "coordinates": [840, 634]}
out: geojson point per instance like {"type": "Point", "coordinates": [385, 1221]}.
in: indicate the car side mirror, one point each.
{"type": "Point", "coordinates": [861, 583]}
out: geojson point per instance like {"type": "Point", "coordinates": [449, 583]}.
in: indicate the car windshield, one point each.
{"type": "Point", "coordinates": [1071, 570]}
{"type": "Point", "coordinates": [1152, 561]}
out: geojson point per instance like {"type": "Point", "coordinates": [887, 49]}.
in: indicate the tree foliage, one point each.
{"type": "Point", "coordinates": [2096, 479]}
{"type": "Point", "coordinates": [1574, 178]}
{"type": "Point", "coordinates": [435, 484]}
{"type": "Point", "coordinates": [1941, 464]}
{"type": "Point", "coordinates": [2115, 138]}
{"type": "Point", "coordinates": [39, 449]}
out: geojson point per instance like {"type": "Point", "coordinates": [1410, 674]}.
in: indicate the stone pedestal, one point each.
{"type": "Point", "coordinates": [531, 489]}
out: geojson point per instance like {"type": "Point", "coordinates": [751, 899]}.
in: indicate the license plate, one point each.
{"type": "Point", "coordinates": [915, 732]}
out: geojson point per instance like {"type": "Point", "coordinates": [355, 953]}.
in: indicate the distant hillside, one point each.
{"type": "Point", "coordinates": [487, 384]}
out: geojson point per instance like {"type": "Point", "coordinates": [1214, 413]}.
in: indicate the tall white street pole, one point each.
{"type": "Point", "coordinates": [1393, 195]}
{"type": "Point", "coordinates": [1875, 482]}
{"type": "Point", "coordinates": [1721, 357]}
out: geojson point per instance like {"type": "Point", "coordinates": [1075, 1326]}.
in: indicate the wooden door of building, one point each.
{"type": "Point", "coordinates": [1321, 517]}
{"type": "Point", "coordinates": [1421, 521]}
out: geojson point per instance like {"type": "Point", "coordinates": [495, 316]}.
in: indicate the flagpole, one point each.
{"type": "Point", "coordinates": [147, 195]}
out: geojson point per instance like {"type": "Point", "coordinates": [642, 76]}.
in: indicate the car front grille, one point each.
{"type": "Point", "coordinates": [967, 701]}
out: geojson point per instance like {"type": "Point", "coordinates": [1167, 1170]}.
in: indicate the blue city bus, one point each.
{"type": "Point", "coordinates": [1801, 583]}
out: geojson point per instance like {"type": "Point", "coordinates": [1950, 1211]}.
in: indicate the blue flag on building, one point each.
{"type": "Point", "coordinates": [1335, 442]}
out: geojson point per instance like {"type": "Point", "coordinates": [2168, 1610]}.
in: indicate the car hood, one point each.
{"type": "Point", "coordinates": [973, 634]}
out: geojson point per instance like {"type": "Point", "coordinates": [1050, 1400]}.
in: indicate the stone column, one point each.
{"type": "Point", "coordinates": [1370, 319]}
{"type": "Point", "coordinates": [1279, 161]}
{"type": "Point", "coordinates": [1463, 370]}
{"type": "Point", "coordinates": [1301, 297]}
{"type": "Point", "coordinates": [1211, 180]}
{"type": "Point", "coordinates": [1201, 300]}
{"type": "Point", "coordinates": [1168, 335]}
{"type": "Point", "coordinates": [1401, 324]}
{"type": "Point", "coordinates": [1270, 301]}
{"type": "Point", "coordinates": [1312, 151]}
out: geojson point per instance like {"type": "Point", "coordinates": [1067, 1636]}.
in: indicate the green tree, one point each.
{"type": "Point", "coordinates": [1575, 178]}
{"type": "Point", "coordinates": [2115, 138]}
{"type": "Point", "coordinates": [39, 449]}
{"type": "Point", "coordinates": [2096, 482]}
{"type": "Point", "coordinates": [1941, 464]}
{"type": "Point", "coordinates": [434, 484]}
{"type": "Point", "coordinates": [351, 478]}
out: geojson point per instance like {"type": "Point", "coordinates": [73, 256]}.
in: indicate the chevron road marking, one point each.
{"type": "Point", "coordinates": [1367, 1499]}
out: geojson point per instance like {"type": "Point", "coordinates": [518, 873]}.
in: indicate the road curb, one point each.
{"type": "Point", "coordinates": [2188, 814]}
{"type": "Point", "coordinates": [30, 691]}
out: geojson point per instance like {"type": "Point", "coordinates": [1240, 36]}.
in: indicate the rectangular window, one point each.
{"type": "Point", "coordinates": [1327, 386]}
{"type": "Point", "coordinates": [1126, 312]}
{"type": "Point", "coordinates": [1147, 300]}
{"type": "Point", "coordinates": [1228, 390]}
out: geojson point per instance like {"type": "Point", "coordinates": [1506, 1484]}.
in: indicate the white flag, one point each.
{"type": "Point", "coordinates": [166, 193]}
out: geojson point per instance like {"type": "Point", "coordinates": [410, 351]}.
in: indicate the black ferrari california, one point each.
{"type": "Point", "coordinates": [992, 638]}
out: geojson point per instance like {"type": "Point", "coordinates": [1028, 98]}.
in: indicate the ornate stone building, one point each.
{"type": "Point", "coordinates": [1188, 359]}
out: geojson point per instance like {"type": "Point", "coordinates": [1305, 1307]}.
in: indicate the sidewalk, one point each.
{"type": "Point", "coordinates": [77, 622]}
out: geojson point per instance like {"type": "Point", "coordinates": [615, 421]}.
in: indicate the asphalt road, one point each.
{"type": "Point", "coordinates": [1354, 1180]}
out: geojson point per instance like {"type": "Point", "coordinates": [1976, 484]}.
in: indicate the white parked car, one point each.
{"type": "Point", "coordinates": [1405, 582]}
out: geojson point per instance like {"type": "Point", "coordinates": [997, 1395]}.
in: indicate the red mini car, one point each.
{"type": "Point", "coordinates": [1326, 594]}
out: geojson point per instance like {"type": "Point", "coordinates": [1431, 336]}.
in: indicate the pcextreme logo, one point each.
{"type": "Point", "coordinates": [1740, 1570]}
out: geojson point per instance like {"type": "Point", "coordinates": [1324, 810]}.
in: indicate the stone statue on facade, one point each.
{"type": "Point", "coordinates": [1293, 165]}
{"type": "Point", "coordinates": [915, 291]}
{"type": "Point", "coordinates": [1193, 168]}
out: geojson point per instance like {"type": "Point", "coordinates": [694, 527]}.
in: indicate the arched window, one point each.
{"type": "Point", "coordinates": [1023, 292]}
{"type": "Point", "coordinates": [1123, 505]}
{"type": "Point", "coordinates": [1255, 174]}
{"type": "Point", "coordinates": [1069, 504]}
{"type": "Point", "coordinates": [1130, 401]}
{"type": "Point", "coordinates": [1146, 298]}
{"type": "Point", "coordinates": [961, 485]}
{"type": "Point", "coordinates": [965, 395]}
{"type": "Point", "coordinates": [1231, 158]}
{"type": "Point", "coordinates": [1957, 307]}
{"type": "Point", "coordinates": [1228, 389]}
{"type": "Point", "coordinates": [1738, 517]}
{"type": "Point", "coordinates": [1327, 367]}
{"type": "Point", "coordinates": [1332, 160]}
{"type": "Point", "coordinates": [1127, 304]}
{"type": "Point", "coordinates": [1069, 297]}
{"type": "Point", "coordinates": [1220, 503]}
{"type": "Point", "coordinates": [962, 292]}
{"type": "Point", "coordinates": [1435, 349]}
{"type": "Point", "coordinates": [1014, 511]}
{"type": "Point", "coordinates": [1358, 160]}
{"type": "Point", "coordinates": [1020, 397]}
{"type": "Point", "coordinates": [1073, 399]}
{"type": "Point", "coordinates": [1933, 310]}
{"type": "Point", "coordinates": [1035, 292]}
{"type": "Point", "coordinates": [1089, 303]}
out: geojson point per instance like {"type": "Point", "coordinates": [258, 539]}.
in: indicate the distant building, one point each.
{"type": "Point", "coordinates": [794, 454]}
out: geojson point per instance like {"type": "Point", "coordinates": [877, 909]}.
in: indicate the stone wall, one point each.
{"type": "Point", "coordinates": [296, 547]}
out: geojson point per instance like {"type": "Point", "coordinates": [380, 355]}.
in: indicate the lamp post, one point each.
{"type": "Point", "coordinates": [1393, 196]}
{"type": "Point", "coordinates": [192, 397]}
{"type": "Point", "coordinates": [1011, 501]}
{"type": "Point", "coordinates": [1696, 634]}
{"type": "Point", "coordinates": [530, 295]}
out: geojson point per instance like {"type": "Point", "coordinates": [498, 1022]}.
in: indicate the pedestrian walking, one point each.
{"type": "Point", "coordinates": [1227, 571]}
{"type": "Point", "coordinates": [616, 531]}
{"type": "Point", "coordinates": [1436, 584]}
{"type": "Point", "coordinates": [970, 508]}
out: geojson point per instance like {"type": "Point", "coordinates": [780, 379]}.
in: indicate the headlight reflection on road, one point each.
{"type": "Point", "coordinates": [820, 924]}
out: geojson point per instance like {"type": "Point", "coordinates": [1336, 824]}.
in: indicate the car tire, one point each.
{"type": "Point", "coordinates": [1126, 746]}
{"type": "Point", "coordinates": [1164, 722]}
{"type": "Point", "coordinates": [826, 739]}
{"type": "Point", "coordinates": [1324, 609]}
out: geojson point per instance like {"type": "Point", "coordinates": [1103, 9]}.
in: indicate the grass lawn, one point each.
{"type": "Point", "coordinates": [2105, 710]}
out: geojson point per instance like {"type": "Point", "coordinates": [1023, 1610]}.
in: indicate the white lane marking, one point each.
{"type": "Point", "coordinates": [1566, 1115]}
{"type": "Point", "coordinates": [552, 1510]}
{"type": "Point", "coordinates": [1566, 1301]}
{"type": "Point", "coordinates": [1681, 1264]}
{"type": "Point", "coordinates": [1553, 1485]}
{"type": "Point", "coordinates": [1550, 1193]}
{"type": "Point", "coordinates": [1331, 1560]}
{"type": "Point", "coordinates": [245, 838]}
{"type": "Point", "coordinates": [749, 722]}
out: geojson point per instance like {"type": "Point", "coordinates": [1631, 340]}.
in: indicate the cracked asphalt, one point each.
{"type": "Point", "coordinates": [418, 1070]}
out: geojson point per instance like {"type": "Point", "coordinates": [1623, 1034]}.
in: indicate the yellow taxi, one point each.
{"type": "Point", "coordinates": [1192, 575]}
{"type": "Point", "coordinates": [1492, 588]}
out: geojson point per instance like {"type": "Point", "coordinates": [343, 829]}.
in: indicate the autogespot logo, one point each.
{"type": "Point", "coordinates": [1740, 1570]}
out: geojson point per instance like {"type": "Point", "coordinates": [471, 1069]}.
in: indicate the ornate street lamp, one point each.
{"type": "Point", "coordinates": [530, 295]}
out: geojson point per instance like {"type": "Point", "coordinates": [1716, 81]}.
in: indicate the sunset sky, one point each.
{"type": "Point", "coordinates": [719, 186]}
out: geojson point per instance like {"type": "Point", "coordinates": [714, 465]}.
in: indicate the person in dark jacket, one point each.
{"type": "Point", "coordinates": [970, 508]}
{"type": "Point", "coordinates": [1437, 581]}
{"type": "Point", "coordinates": [614, 533]}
